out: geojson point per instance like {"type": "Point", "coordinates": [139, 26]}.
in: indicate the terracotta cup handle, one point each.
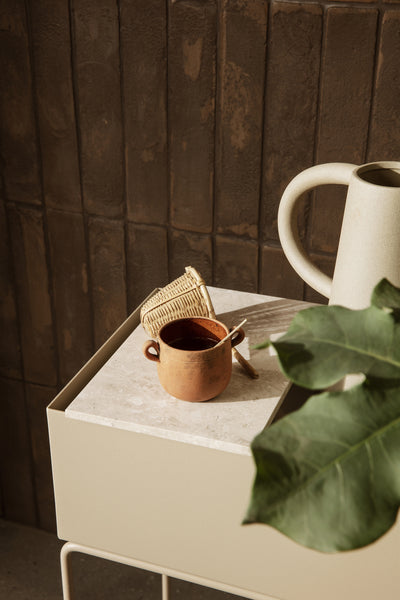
{"type": "Point", "coordinates": [237, 337]}
{"type": "Point", "coordinates": [150, 355]}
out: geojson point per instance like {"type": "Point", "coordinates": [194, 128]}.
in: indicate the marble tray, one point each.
{"type": "Point", "coordinates": [125, 392]}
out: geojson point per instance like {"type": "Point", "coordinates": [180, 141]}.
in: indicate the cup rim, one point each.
{"type": "Point", "coordinates": [199, 317]}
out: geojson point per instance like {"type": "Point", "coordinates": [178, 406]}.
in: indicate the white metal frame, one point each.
{"type": "Point", "coordinates": [71, 547]}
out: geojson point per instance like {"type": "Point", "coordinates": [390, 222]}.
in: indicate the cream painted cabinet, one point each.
{"type": "Point", "coordinates": [163, 484]}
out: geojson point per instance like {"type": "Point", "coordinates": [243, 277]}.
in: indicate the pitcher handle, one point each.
{"type": "Point", "coordinates": [337, 173]}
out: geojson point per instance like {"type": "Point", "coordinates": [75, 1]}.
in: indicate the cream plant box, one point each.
{"type": "Point", "coordinates": [150, 478]}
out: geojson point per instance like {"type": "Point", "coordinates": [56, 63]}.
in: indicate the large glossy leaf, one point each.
{"type": "Point", "coordinates": [327, 342]}
{"type": "Point", "coordinates": [328, 475]}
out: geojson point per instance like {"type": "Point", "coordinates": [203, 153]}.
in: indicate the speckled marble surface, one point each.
{"type": "Point", "coordinates": [126, 392]}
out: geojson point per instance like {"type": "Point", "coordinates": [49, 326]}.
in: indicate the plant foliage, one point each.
{"type": "Point", "coordinates": [328, 475]}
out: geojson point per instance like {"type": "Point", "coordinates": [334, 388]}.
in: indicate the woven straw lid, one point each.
{"type": "Point", "coordinates": [186, 296]}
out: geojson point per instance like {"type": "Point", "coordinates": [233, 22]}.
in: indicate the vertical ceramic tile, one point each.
{"type": "Point", "coordinates": [236, 264]}
{"type": "Point", "coordinates": [277, 276]}
{"type": "Point", "coordinates": [51, 41]}
{"type": "Point", "coordinates": [33, 294]}
{"type": "Point", "coordinates": [241, 75]}
{"type": "Point", "coordinates": [19, 502]}
{"type": "Point", "coordinates": [191, 106]}
{"type": "Point", "coordinates": [71, 291]}
{"type": "Point", "coordinates": [18, 141]}
{"type": "Point", "coordinates": [10, 351]}
{"type": "Point", "coordinates": [293, 63]}
{"type": "Point", "coordinates": [190, 249]}
{"type": "Point", "coordinates": [107, 260]}
{"type": "Point", "coordinates": [384, 142]}
{"type": "Point", "coordinates": [147, 261]}
{"type": "Point", "coordinates": [37, 399]}
{"type": "Point", "coordinates": [97, 66]}
{"type": "Point", "coordinates": [144, 68]}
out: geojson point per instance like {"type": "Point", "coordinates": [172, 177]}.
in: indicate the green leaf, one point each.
{"type": "Point", "coordinates": [328, 475]}
{"type": "Point", "coordinates": [325, 343]}
{"type": "Point", "coordinates": [262, 345]}
{"type": "Point", "coordinates": [386, 295]}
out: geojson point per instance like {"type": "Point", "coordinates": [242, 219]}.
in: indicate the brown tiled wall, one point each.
{"type": "Point", "coordinates": [140, 137]}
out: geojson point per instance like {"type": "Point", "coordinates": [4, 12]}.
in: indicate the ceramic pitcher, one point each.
{"type": "Point", "coordinates": [369, 244]}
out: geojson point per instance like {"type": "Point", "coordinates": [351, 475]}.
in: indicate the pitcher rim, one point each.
{"type": "Point", "coordinates": [376, 166]}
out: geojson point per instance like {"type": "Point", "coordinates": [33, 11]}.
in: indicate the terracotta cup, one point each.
{"type": "Point", "coordinates": [190, 364]}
